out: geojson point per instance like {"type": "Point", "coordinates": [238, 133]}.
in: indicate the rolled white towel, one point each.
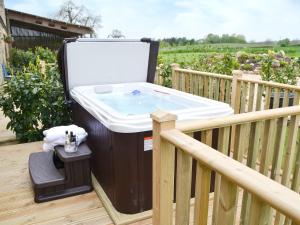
{"type": "Point", "coordinates": [55, 133]}
{"type": "Point", "coordinates": [56, 136]}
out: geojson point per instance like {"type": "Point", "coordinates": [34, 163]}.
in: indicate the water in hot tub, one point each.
{"type": "Point", "coordinates": [138, 102]}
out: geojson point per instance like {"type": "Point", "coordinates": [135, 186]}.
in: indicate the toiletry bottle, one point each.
{"type": "Point", "coordinates": [66, 136]}
{"type": "Point", "coordinates": [67, 142]}
{"type": "Point", "coordinates": [72, 143]}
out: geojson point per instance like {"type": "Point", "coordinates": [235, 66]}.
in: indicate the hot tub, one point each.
{"type": "Point", "coordinates": [125, 108]}
{"type": "Point", "coordinates": [109, 86]}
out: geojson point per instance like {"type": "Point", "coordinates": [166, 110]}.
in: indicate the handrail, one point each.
{"type": "Point", "coordinates": [271, 84]}
{"type": "Point", "coordinates": [198, 125]}
{"type": "Point", "coordinates": [276, 195]}
{"type": "Point", "coordinates": [216, 75]}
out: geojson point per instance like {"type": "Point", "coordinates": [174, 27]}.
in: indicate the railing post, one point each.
{"type": "Point", "coordinates": [174, 66]}
{"type": "Point", "coordinates": [43, 67]}
{"type": "Point", "coordinates": [235, 101]}
{"type": "Point", "coordinates": [236, 90]}
{"type": "Point", "coordinates": [163, 169]}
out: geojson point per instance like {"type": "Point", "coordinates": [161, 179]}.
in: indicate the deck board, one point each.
{"type": "Point", "coordinates": [16, 196]}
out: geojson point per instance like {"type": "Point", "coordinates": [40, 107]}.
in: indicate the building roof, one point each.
{"type": "Point", "coordinates": [46, 24]}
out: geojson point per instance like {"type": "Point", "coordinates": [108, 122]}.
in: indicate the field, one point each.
{"type": "Point", "coordinates": [272, 62]}
{"type": "Point", "coordinates": [187, 53]}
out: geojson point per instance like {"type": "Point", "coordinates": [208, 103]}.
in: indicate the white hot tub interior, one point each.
{"type": "Point", "coordinates": [142, 101]}
{"type": "Point", "coordinates": [127, 107]}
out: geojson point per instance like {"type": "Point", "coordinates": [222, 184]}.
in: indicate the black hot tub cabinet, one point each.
{"type": "Point", "coordinates": [121, 154]}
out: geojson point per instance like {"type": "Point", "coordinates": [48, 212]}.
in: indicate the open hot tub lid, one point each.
{"type": "Point", "coordinates": [90, 61]}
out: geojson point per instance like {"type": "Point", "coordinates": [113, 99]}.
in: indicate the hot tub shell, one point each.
{"type": "Point", "coordinates": [121, 159]}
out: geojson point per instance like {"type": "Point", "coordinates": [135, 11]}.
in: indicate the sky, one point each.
{"type": "Point", "coordinates": [256, 19]}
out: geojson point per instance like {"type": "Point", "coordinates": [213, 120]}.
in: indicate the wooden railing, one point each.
{"type": "Point", "coordinates": [251, 95]}
{"type": "Point", "coordinates": [209, 85]}
{"type": "Point", "coordinates": [265, 154]}
{"type": "Point", "coordinates": [243, 94]}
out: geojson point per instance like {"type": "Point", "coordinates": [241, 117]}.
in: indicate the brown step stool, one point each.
{"type": "Point", "coordinates": [50, 183]}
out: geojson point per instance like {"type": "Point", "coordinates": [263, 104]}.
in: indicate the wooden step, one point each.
{"type": "Point", "coordinates": [42, 171]}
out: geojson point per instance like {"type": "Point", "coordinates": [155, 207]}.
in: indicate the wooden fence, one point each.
{"type": "Point", "coordinates": [243, 94]}
{"type": "Point", "coordinates": [264, 163]}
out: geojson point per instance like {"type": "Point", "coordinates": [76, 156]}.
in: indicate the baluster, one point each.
{"type": "Point", "coordinates": [236, 91]}
{"type": "Point", "coordinates": [251, 97]}
{"type": "Point", "coordinates": [292, 139]}
{"type": "Point", "coordinates": [241, 141]}
{"type": "Point", "coordinates": [175, 76]}
{"type": "Point", "coordinates": [279, 148]}
{"type": "Point", "coordinates": [244, 97]}
{"type": "Point", "coordinates": [289, 153]}
{"type": "Point", "coordinates": [182, 82]}
{"type": "Point", "coordinates": [206, 137]}
{"type": "Point", "coordinates": [223, 146]}
{"type": "Point", "coordinates": [268, 91]}
{"type": "Point", "coordinates": [205, 86]}
{"type": "Point", "coordinates": [228, 91]}
{"type": "Point", "coordinates": [191, 83]}
{"type": "Point", "coordinates": [222, 90]}
{"type": "Point", "coordinates": [228, 191]}
{"type": "Point", "coordinates": [286, 97]}
{"type": "Point", "coordinates": [267, 146]}
{"type": "Point", "coordinates": [296, 175]}
{"type": "Point", "coordinates": [259, 97]}
{"type": "Point", "coordinates": [197, 83]}
{"type": "Point", "coordinates": [254, 146]}
{"type": "Point", "coordinates": [278, 152]}
{"type": "Point", "coordinates": [266, 161]}
{"type": "Point", "coordinates": [183, 187]}
{"type": "Point", "coordinates": [256, 208]}
{"type": "Point", "coordinates": [296, 98]}
{"type": "Point", "coordinates": [201, 84]}
{"type": "Point", "coordinates": [187, 82]}
{"type": "Point", "coordinates": [227, 202]}
{"type": "Point", "coordinates": [217, 89]}
{"type": "Point", "coordinates": [211, 88]}
{"type": "Point", "coordinates": [276, 98]}
{"type": "Point", "coordinates": [202, 189]}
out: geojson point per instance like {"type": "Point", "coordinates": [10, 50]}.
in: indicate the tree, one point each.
{"type": "Point", "coordinates": [212, 38]}
{"type": "Point", "coordinates": [225, 38]}
{"type": "Point", "coordinates": [284, 42]}
{"type": "Point", "coordinates": [116, 34]}
{"type": "Point", "coordinates": [78, 14]}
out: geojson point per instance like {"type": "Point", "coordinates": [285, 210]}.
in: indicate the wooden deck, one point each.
{"type": "Point", "coordinates": [16, 197]}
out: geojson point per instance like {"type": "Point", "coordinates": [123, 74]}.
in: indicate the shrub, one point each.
{"type": "Point", "coordinates": [278, 68]}
{"type": "Point", "coordinates": [34, 102]}
{"type": "Point", "coordinates": [165, 70]}
{"type": "Point", "coordinates": [273, 66]}
{"type": "Point", "coordinates": [20, 59]}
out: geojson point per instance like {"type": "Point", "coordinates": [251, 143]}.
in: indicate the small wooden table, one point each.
{"type": "Point", "coordinates": [50, 183]}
